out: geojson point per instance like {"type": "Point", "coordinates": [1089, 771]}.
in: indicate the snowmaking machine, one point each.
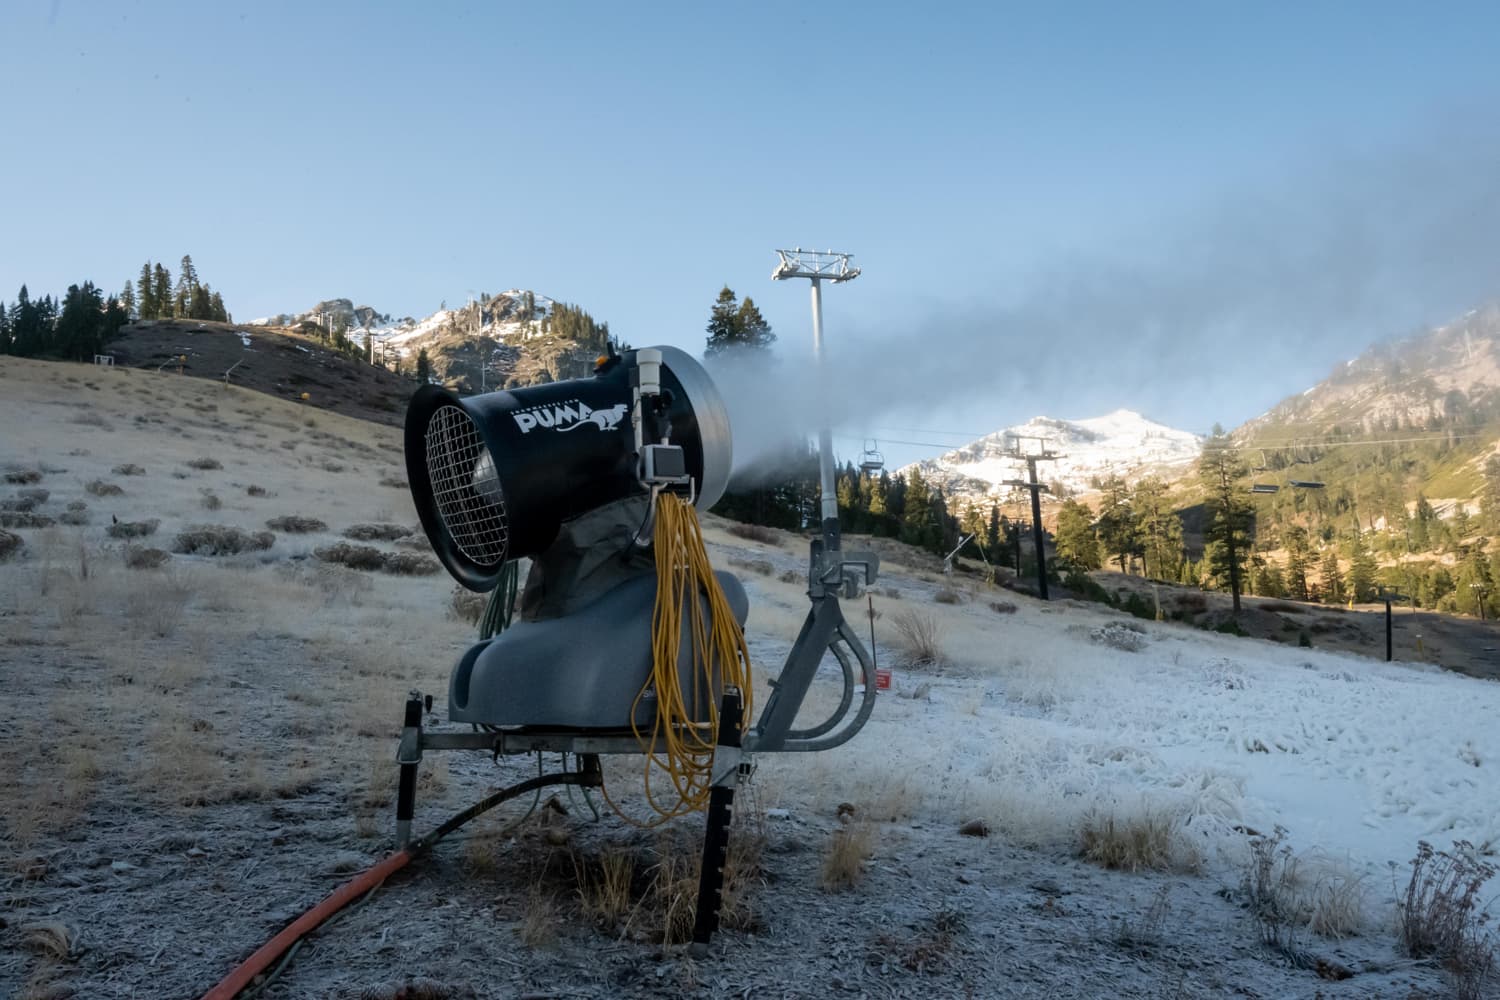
{"type": "Point", "coordinates": [626, 641]}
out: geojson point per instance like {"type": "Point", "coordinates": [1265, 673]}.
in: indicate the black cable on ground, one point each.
{"type": "Point", "coordinates": [242, 976]}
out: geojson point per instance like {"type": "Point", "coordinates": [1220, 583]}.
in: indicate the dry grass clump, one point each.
{"type": "Point", "coordinates": [1144, 840]}
{"type": "Point", "coordinates": [1002, 607]}
{"type": "Point", "coordinates": [1191, 603]}
{"type": "Point", "coordinates": [104, 488]}
{"type": "Point", "coordinates": [24, 519]}
{"type": "Point", "coordinates": [142, 557]}
{"type": "Point", "coordinates": [947, 595]}
{"type": "Point", "coordinates": [1441, 917]}
{"type": "Point", "coordinates": [377, 532]}
{"type": "Point", "coordinates": [371, 559]}
{"type": "Point", "coordinates": [18, 505]}
{"type": "Point", "coordinates": [210, 500]}
{"type": "Point", "coordinates": [761, 566]}
{"type": "Point", "coordinates": [134, 529]}
{"type": "Point", "coordinates": [10, 544]}
{"type": "Point", "coordinates": [1122, 636]}
{"type": "Point", "coordinates": [363, 557]}
{"type": "Point", "coordinates": [606, 886]}
{"type": "Point", "coordinates": [157, 607]}
{"type": "Point", "coordinates": [920, 638]}
{"type": "Point", "coordinates": [395, 482]}
{"type": "Point", "coordinates": [294, 524]}
{"type": "Point", "coordinates": [410, 564]}
{"type": "Point", "coordinates": [128, 469]}
{"type": "Point", "coordinates": [927, 947]}
{"type": "Point", "coordinates": [755, 533]}
{"type": "Point", "coordinates": [849, 848]}
{"type": "Point", "coordinates": [204, 464]}
{"type": "Point", "coordinates": [77, 514]}
{"type": "Point", "coordinates": [220, 540]}
{"type": "Point", "coordinates": [23, 476]}
{"type": "Point", "coordinates": [539, 925]}
{"type": "Point", "coordinates": [1285, 893]}
{"type": "Point", "coordinates": [50, 938]}
{"type": "Point", "coordinates": [256, 491]}
{"type": "Point", "coordinates": [467, 606]}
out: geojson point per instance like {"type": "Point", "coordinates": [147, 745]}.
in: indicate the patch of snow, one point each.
{"type": "Point", "coordinates": [1122, 442]}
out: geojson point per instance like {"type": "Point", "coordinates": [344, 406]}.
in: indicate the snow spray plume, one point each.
{"type": "Point", "coordinates": [1254, 287]}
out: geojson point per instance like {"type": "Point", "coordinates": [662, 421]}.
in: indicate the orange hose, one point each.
{"type": "Point", "coordinates": [257, 963]}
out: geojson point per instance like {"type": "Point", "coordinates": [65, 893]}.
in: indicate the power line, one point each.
{"type": "Point", "coordinates": [1342, 443]}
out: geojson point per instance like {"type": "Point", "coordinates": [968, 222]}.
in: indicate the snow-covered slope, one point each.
{"type": "Point", "coordinates": [1121, 443]}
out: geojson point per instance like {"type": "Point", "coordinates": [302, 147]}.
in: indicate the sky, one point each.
{"type": "Point", "coordinates": [1190, 210]}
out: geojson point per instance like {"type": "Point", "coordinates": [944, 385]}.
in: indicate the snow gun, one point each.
{"type": "Point", "coordinates": [624, 639]}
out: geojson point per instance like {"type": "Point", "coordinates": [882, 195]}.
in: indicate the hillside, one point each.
{"type": "Point", "coordinates": [284, 363]}
{"type": "Point", "coordinates": [211, 743]}
{"type": "Point", "coordinates": [1405, 442]}
{"type": "Point", "coordinates": [508, 339]}
{"type": "Point", "coordinates": [1424, 411]}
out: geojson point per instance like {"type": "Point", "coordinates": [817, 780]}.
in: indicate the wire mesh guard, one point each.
{"type": "Point", "coordinates": [466, 487]}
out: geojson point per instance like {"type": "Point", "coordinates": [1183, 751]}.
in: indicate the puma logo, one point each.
{"type": "Point", "coordinates": [570, 416]}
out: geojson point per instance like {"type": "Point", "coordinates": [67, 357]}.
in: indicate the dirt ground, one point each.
{"type": "Point", "coordinates": [1466, 645]}
{"type": "Point", "coordinates": [197, 753]}
{"type": "Point", "coordinates": [275, 361]}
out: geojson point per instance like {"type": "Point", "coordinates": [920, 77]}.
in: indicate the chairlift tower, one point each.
{"type": "Point", "coordinates": [1044, 454]}
{"type": "Point", "coordinates": [818, 267]}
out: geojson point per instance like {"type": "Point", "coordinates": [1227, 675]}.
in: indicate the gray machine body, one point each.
{"type": "Point", "coordinates": [582, 671]}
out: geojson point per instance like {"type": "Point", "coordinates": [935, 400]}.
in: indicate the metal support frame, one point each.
{"type": "Point", "coordinates": [727, 768]}
{"type": "Point", "coordinates": [1038, 534]}
{"type": "Point", "coordinates": [820, 266]}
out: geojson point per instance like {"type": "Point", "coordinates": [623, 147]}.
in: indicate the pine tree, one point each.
{"type": "Point", "coordinates": [187, 286]}
{"type": "Point", "coordinates": [25, 326]}
{"type": "Point", "coordinates": [1474, 585]}
{"type": "Point", "coordinates": [5, 338]}
{"type": "Point", "coordinates": [751, 327]}
{"type": "Point", "coordinates": [1361, 567]}
{"type": "Point", "coordinates": [161, 291]}
{"type": "Point", "coordinates": [127, 299]}
{"type": "Point", "coordinates": [1117, 522]}
{"type": "Point", "coordinates": [1298, 556]}
{"type": "Point", "coordinates": [722, 323]}
{"type": "Point", "coordinates": [1489, 496]}
{"type": "Point", "coordinates": [917, 516]}
{"type": "Point", "coordinates": [1159, 527]}
{"type": "Point", "coordinates": [145, 293]}
{"type": "Point", "coordinates": [1075, 540]}
{"type": "Point", "coordinates": [424, 367]}
{"type": "Point", "coordinates": [220, 313]}
{"type": "Point", "coordinates": [1333, 581]}
{"type": "Point", "coordinates": [1231, 518]}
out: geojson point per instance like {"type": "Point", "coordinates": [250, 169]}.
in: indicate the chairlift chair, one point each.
{"type": "Point", "coordinates": [1265, 488]}
{"type": "Point", "coordinates": [873, 462]}
{"type": "Point", "coordinates": [1306, 484]}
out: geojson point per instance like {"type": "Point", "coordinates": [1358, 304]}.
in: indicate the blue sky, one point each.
{"type": "Point", "coordinates": [1188, 209]}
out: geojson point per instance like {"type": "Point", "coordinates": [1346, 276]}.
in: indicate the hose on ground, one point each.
{"type": "Point", "coordinates": [370, 879]}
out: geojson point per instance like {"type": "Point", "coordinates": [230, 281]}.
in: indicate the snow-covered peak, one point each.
{"type": "Point", "coordinates": [1122, 443]}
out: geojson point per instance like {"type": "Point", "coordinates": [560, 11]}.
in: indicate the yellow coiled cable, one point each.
{"type": "Point", "coordinates": [677, 743]}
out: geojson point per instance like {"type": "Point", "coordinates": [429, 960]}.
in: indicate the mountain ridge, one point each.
{"type": "Point", "coordinates": [1091, 449]}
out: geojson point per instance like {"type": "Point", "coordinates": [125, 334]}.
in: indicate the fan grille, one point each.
{"type": "Point", "coordinates": [477, 522]}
